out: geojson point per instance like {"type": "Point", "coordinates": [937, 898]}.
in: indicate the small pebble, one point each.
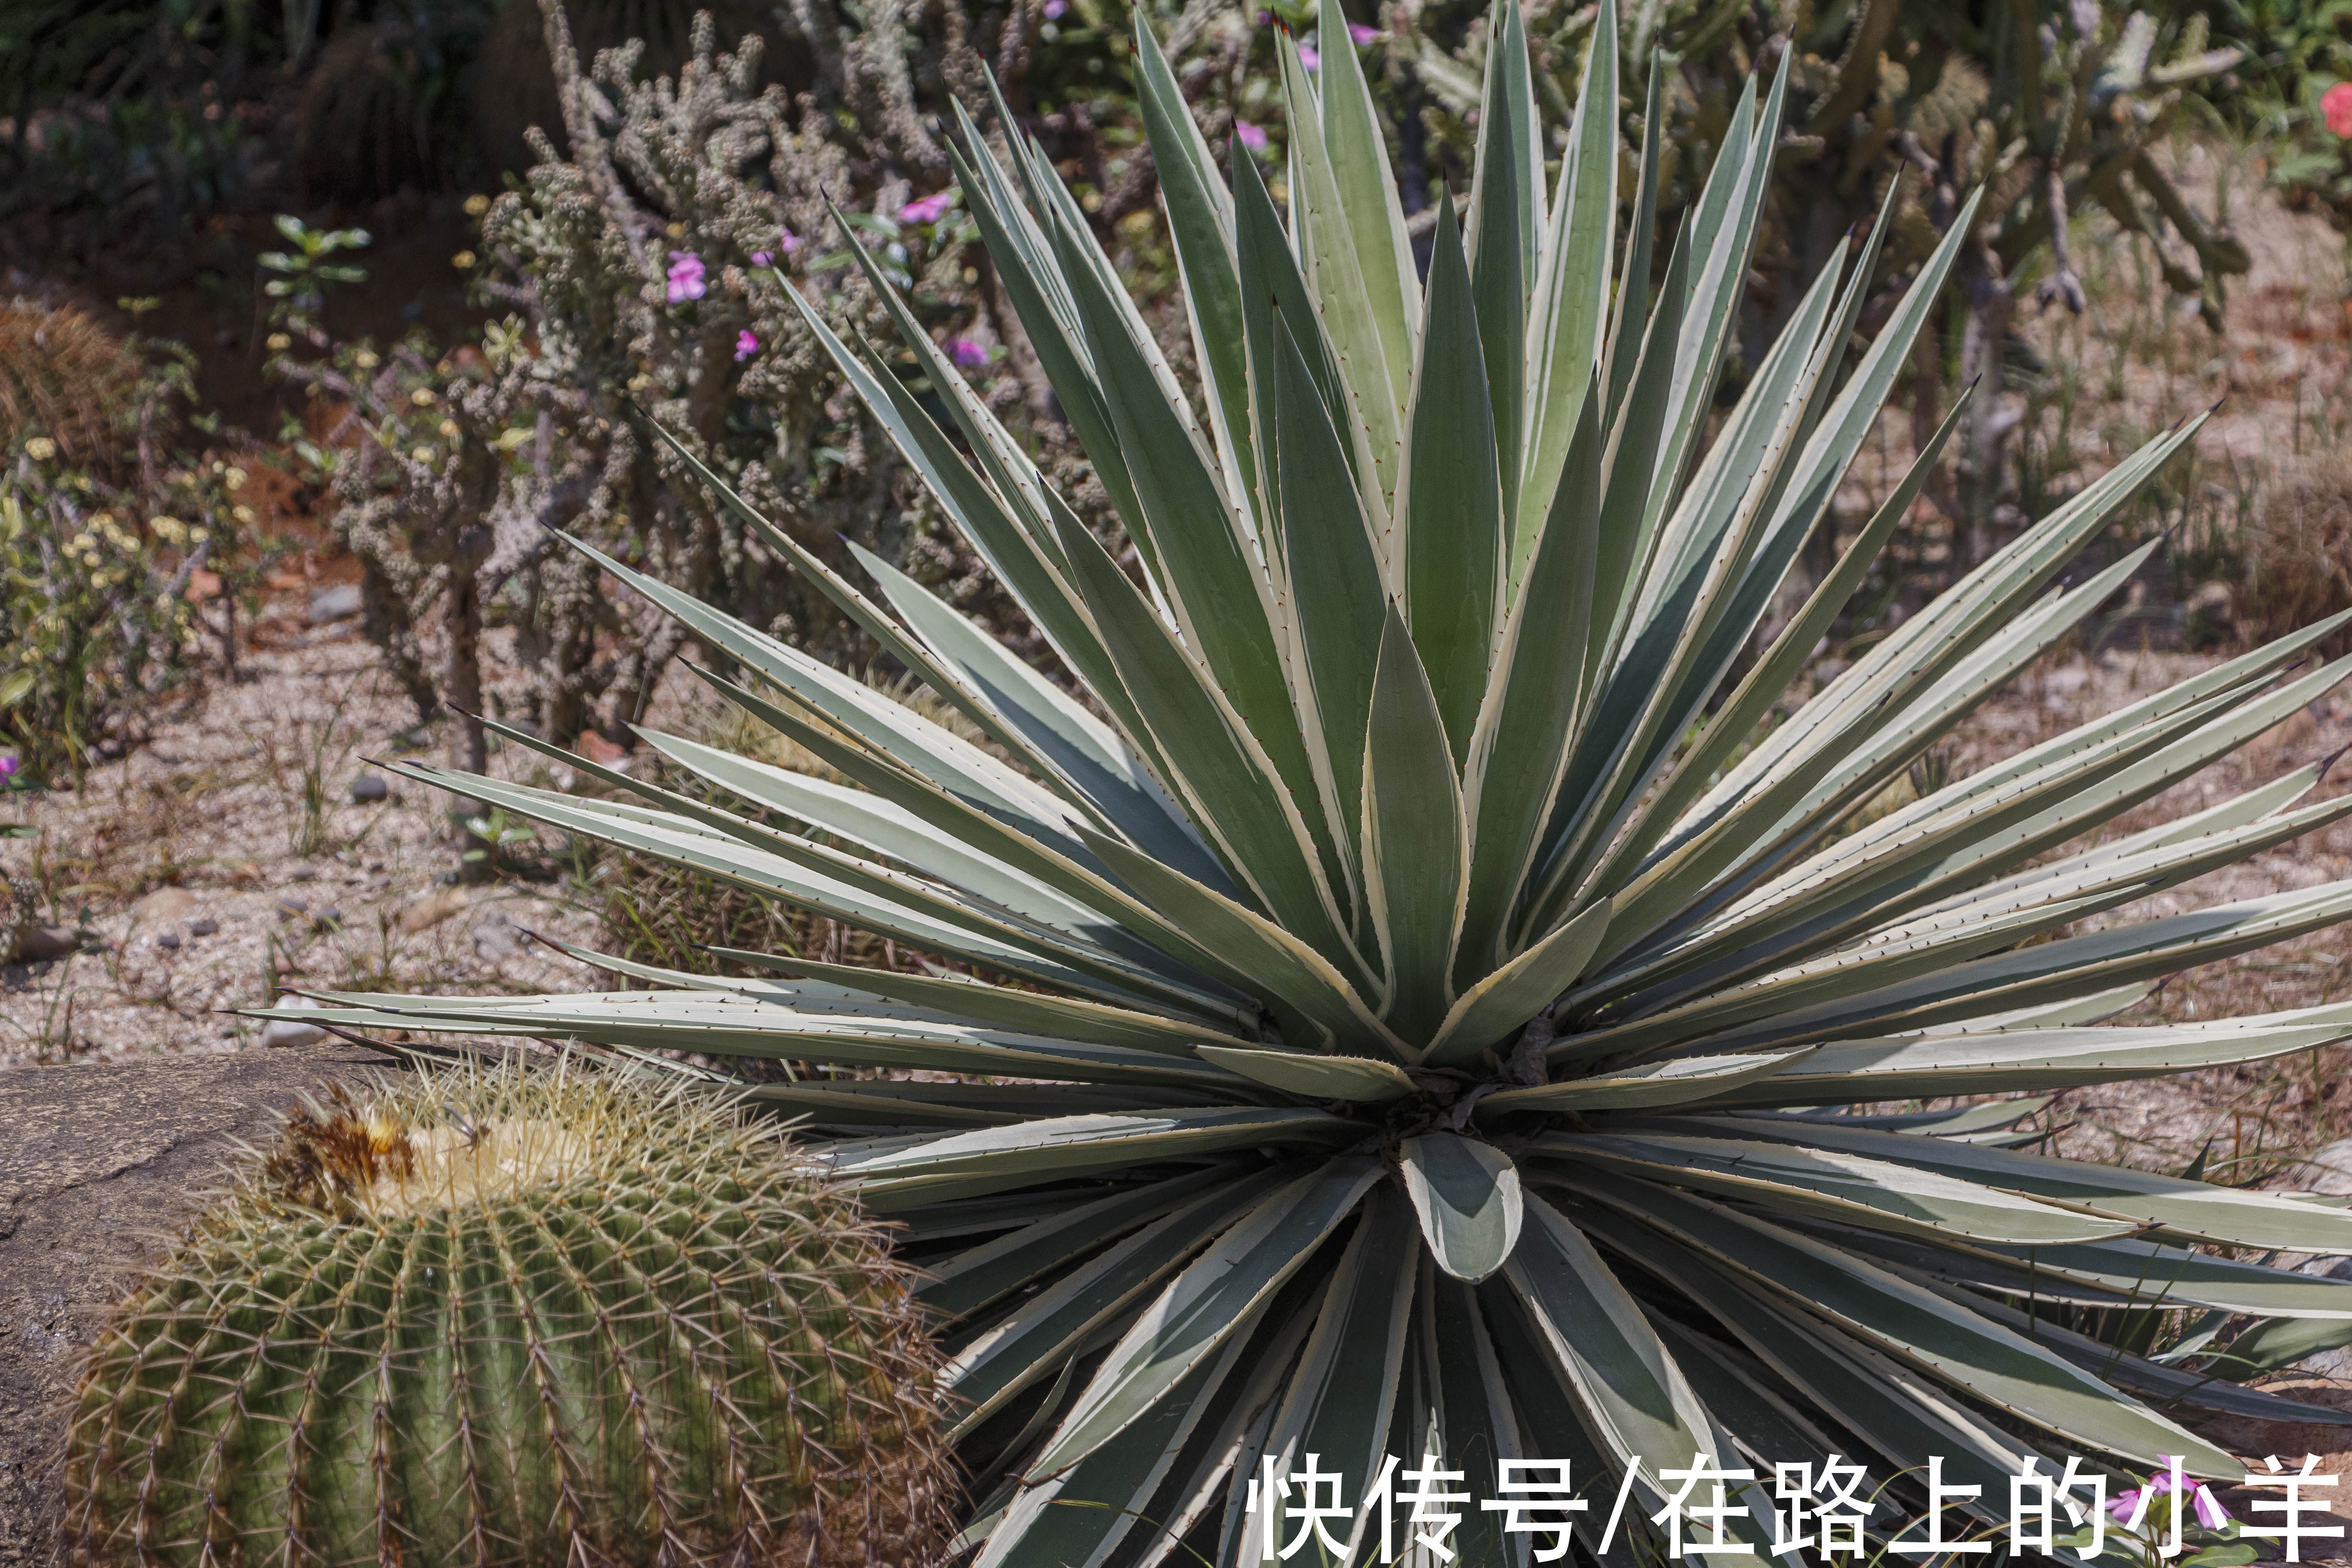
{"type": "Point", "coordinates": [290, 1031]}
{"type": "Point", "coordinates": [305, 874]}
{"type": "Point", "coordinates": [370, 787]}
{"type": "Point", "coordinates": [294, 905]}
{"type": "Point", "coordinates": [169, 942]}
{"type": "Point", "coordinates": [204, 927]}
{"type": "Point", "coordinates": [330, 916]}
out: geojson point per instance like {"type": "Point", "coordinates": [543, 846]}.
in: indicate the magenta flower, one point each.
{"type": "Point", "coordinates": [8, 766]}
{"type": "Point", "coordinates": [686, 277]}
{"type": "Point", "coordinates": [2131, 1504]}
{"type": "Point", "coordinates": [786, 243]}
{"type": "Point", "coordinates": [1361, 33]}
{"type": "Point", "coordinates": [1249, 136]}
{"type": "Point", "coordinates": [928, 209]}
{"type": "Point", "coordinates": [967, 355]}
{"type": "Point", "coordinates": [1308, 58]}
{"type": "Point", "coordinates": [746, 345]}
{"type": "Point", "coordinates": [1053, 9]}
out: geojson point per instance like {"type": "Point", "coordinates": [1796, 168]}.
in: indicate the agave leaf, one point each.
{"type": "Point", "coordinates": [1451, 515]}
{"type": "Point", "coordinates": [1681, 1080]}
{"type": "Point", "coordinates": [1201, 222]}
{"type": "Point", "coordinates": [1898, 1411]}
{"type": "Point", "coordinates": [1519, 753]}
{"type": "Point", "coordinates": [1339, 1402]}
{"type": "Point", "coordinates": [1520, 990]}
{"type": "Point", "coordinates": [1204, 1305]}
{"type": "Point", "coordinates": [1476, 1420]}
{"type": "Point", "coordinates": [1030, 1012]}
{"type": "Point", "coordinates": [1636, 1401]}
{"type": "Point", "coordinates": [1077, 747]}
{"type": "Point", "coordinates": [1415, 836]}
{"type": "Point", "coordinates": [1278, 962]}
{"type": "Point", "coordinates": [1339, 599]}
{"type": "Point", "coordinates": [2167, 1384]}
{"type": "Point", "coordinates": [1851, 1188]}
{"type": "Point", "coordinates": [1325, 243]}
{"type": "Point", "coordinates": [1050, 1327]}
{"type": "Point", "coordinates": [1940, 1062]}
{"type": "Point", "coordinates": [1987, 1361]}
{"type": "Point", "coordinates": [1066, 1146]}
{"type": "Point", "coordinates": [1505, 227]}
{"type": "Point", "coordinates": [1357, 1079]}
{"type": "Point", "coordinates": [980, 1276]}
{"type": "Point", "coordinates": [1571, 294]}
{"type": "Point", "coordinates": [1368, 195]}
{"type": "Point", "coordinates": [1467, 1196]}
{"type": "Point", "coordinates": [2229, 1216]}
{"type": "Point", "coordinates": [1222, 771]}
{"type": "Point", "coordinates": [867, 1108]}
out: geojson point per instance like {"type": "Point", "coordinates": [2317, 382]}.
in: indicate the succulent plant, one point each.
{"type": "Point", "coordinates": [512, 1316]}
{"type": "Point", "coordinates": [1451, 998]}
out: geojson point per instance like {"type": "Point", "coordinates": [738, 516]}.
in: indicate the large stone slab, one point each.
{"type": "Point", "coordinates": [97, 1161]}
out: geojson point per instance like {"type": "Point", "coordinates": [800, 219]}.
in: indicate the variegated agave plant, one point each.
{"type": "Point", "coordinates": [1441, 1008]}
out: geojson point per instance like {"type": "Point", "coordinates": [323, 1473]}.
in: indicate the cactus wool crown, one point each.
{"type": "Point", "coordinates": [513, 1317]}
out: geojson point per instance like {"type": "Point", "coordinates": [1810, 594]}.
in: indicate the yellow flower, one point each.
{"type": "Point", "coordinates": [279, 342]}
{"type": "Point", "coordinates": [422, 397]}
{"type": "Point", "coordinates": [40, 448]}
{"type": "Point", "coordinates": [365, 359]}
{"type": "Point", "coordinates": [233, 478]}
{"type": "Point", "coordinates": [198, 535]}
{"type": "Point", "coordinates": [476, 205]}
{"type": "Point", "coordinates": [167, 527]}
{"type": "Point", "coordinates": [422, 454]}
{"type": "Point", "coordinates": [242, 513]}
{"type": "Point", "coordinates": [463, 260]}
{"type": "Point", "coordinates": [448, 427]}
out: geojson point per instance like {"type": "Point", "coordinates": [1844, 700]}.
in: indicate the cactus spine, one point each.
{"type": "Point", "coordinates": [517, 1318]}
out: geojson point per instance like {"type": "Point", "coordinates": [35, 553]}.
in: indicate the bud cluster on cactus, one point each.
{"type": "Point", "coordinates": [514, 1317]}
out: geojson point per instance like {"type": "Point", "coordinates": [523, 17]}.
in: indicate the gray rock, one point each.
{"type": "Point", "coordinates": [339, 602]}
{"type": "Point", "coordinates": [169, 942]}
{"type": "Point", "coordinates": [496, 936]}
{"type": "Point", "coordinates": [2328, 1172]}
{"type": "Point", "coordinates": [205, 927]}
{"type": "Point", "coordinates": [369, 788]}
{"type": "Point", "coordinates": [330, 916]}
{"type": "Point", "coordinates": [295, 906]}
{"type": "Point", "coordinates": [291, 1031]}
{"type": "Point", "coordinates": [99, 1161]}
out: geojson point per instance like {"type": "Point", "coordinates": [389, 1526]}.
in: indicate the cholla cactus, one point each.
{"type": "Point", "coordinates": [513, 1317]}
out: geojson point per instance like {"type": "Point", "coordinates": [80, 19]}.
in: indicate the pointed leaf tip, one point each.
{"type": "Point", "coordinates": [1469, 1200]}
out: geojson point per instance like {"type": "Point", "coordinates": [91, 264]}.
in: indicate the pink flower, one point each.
{"type": "Point", "coordinates": [746, 345]}
{"type": "Point", "coordinates": [2335, 105]}
{"type": "Point", "coordinates": [967, 355]}
{"type": "Point", "coordinates": [786, 243]}
{"type": "Point", "coordinates": [1361, 34]}
{"type": "Point", "coordinates": [685, 276]}
{"type": "Point", "coordinates": [8, 766]}
{"type": "Point", "coordinates": [928, 209]}
{"type": "Point", "coordinates": [1308, 57]}
{"type": "Point", "coordinates": [1053, 9]}
{"type": "Point", "coordinates": [1249, 136]}
{"type": "Point", "coordinates": [2133, 1503]}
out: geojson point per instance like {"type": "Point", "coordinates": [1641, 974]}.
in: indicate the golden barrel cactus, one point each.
{"type": "Point", "coordinates": [514, 1317]}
